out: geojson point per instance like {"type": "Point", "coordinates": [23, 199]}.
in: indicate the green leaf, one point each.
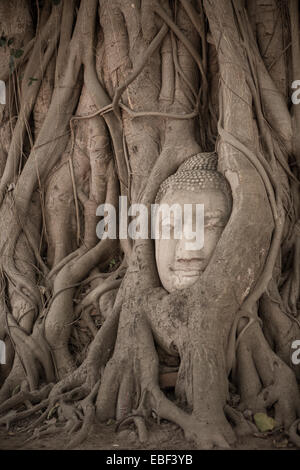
{"type": "Point", "coordinates": [2, 41]}
{"type": "Point", "coordinates": [10, 41]}
{"type": "Point", "coordinates": [16, 390]}
{"type": "Point", "coordinates": [264, 423]}
{"type": "Point", "coordinates": [31, 80]}
{"type": "Point", "coordinates": [52, 411]}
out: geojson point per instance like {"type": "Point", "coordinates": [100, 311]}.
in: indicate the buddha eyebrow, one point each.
{"type": "Point", "coordinates": [217, 213]}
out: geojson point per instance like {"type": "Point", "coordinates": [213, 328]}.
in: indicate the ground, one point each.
{"type": "Point", "coordinates": [167, 437]}
{"type": "Point", "coordinates": [162, 435]}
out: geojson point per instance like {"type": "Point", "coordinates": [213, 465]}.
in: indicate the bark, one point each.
{"type": "Point", "coordinates": [109, 98]}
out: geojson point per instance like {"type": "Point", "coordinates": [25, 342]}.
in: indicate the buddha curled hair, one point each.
{"type": "Point", "coordinates": [195, 174]}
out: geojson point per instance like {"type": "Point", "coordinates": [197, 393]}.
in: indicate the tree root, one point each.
{"type": "Point", "coordinates": [132, 375]}
{"type": "Point", "coordinates": [21, 397]}
{"type": "Point", "coordinates": [140, 424]}
{"type": "Point", "coordinates": [242, 427]}
{"type": "Point", "coordinates": [294, 433]}
{"type": "Point", "coordinates": [264, 380]}
{"type": "Point", "coordinates": [88, 408]}
{"type": "Point", "coordinates": [43, 431]}
{"type": "Point", "coordinates": [13, 416]}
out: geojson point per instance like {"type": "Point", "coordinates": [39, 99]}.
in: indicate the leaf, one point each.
{"type": "Point", "coordinates": [2, 41]}
{"type": "Point", "coordinates": [10, 41]}
{"type": "Point", "coordinates": [31, 80]}
{"type": "Point", "coordinates": [52, 411]}
{"type": "Point", "coordinates": [263, 422]}
{"type": "Point", "coordinates": [16, 390]}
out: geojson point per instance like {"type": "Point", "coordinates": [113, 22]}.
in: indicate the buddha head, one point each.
{"type": "Point", "coordinates": [197, 183]}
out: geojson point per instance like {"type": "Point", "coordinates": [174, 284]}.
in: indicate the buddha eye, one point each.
{"type": "Point", "coordinates": [214, 222]}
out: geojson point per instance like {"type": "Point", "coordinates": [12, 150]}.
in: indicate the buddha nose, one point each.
{"type": "Point", "coordinates": [183, 253]}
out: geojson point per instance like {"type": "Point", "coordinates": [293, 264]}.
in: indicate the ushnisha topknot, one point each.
{"type": "Point", "coordinates": [195, 174]}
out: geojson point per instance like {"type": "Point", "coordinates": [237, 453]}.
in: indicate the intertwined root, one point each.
{"type": "Point", "coordinates": [116, 393]}
{"type": "Point", "coordinates": [68, 405]}
{"type": "Point", "coordinates": [210, 435]}
{"type": "Point", "coordinates": [264, 380]}
{"type": "Point", "coordinates": [126, 388]}
{"type": "Point", "coordinates": [130, 390]}
{"type": "Point", "coordinates": [123, 394]}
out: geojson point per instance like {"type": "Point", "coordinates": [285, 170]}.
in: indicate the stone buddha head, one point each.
{"type": "Point", "coordinates": [196, 183]}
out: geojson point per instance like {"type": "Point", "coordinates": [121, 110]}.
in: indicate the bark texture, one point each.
{"type": "Point", "coordinates": [108, 98]}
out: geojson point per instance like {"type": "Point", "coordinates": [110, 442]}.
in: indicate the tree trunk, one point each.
{"type": "Point", "coordinates": [108, 99]}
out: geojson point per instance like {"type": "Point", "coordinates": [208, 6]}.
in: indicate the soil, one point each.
{"type": "Point", "coordinates": [166, 436]}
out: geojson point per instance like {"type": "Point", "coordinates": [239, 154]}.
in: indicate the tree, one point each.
{"type": "Point", "coordinates": [108, 98]}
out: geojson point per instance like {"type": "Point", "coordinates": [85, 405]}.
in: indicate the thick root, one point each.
{"type": "Point", "coordinates": [264, 380]}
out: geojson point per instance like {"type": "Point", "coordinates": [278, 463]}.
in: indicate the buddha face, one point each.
{"type": "Point", "coordinates": [178, 266]}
